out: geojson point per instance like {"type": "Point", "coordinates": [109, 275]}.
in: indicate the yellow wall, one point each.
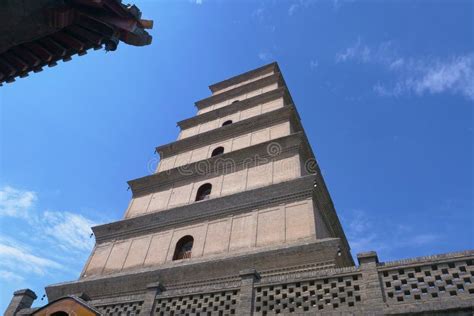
{"type": "Point", "coordinates": [235, 117]}
{"type": "Point", "coordinates": [269, 226]}
{"type": "Point", "coordinates": [240, 180]}
{"type": "Point", "coordinates": [241, 97]}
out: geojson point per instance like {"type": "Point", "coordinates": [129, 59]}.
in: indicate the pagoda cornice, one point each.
{"type": "Point", "coordinates": [237, 106]}
{"type": "Point", "coordinates": [231, 161]}
{"type": "Point", "coordinates": [286, 113]}
{"type": "Point", "coordinates": [184, 215]}
{"type": "Point", "coordinates": [244, 77]}
{"type": "Point", "coordinates": [306, 256]}
{"type": "Point", "coordinates": [251, 86]}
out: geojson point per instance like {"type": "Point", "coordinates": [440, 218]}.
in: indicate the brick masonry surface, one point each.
{"type": "Point", "coordinates": [441, 284]}
{"type": "Point", "coordinates": [266, 239]}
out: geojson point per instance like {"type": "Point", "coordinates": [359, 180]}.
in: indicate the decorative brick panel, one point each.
{"type": "Point", "coordinates": [217, 303]}
{"type": "Point", "coordinates": [329, 294]}
{"type": "Point", "coordinates": [429, 282]}
{"type": "Point", "coordinates": [120, 309]}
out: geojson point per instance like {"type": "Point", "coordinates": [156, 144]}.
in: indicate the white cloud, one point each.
{"type": "Point", "coordinates": [366, 233]}
{"type": "Point", "coordinates": [45, 231]}
{"type": "Point", "coordinates": [399, 62]}
{"type": "Point", "coordinates": [362, 53]}
{"type": "Point", "coordinates": [395, 91]}
{"type": "Point", "coordinates": [263, 20]}
{"type": "Point", "coordinates": [436, 76]}
{"type": "Point", "coordinates": [431, 76]}
{"type": "Point", "coordinates": [292, 9]}
{"type": "Point", "coordinates": [70, 231]}
{"type": "Point", "coordinates": [265, 56]}
{"type": "Point", "coordinates": [360, 233]}
{"type": "Point", "coordinates": [298, 4]}
{"type": "Point", "coordinates": [196, 1]}
{"type": "Point", "coordinates": [313, 64]}
{"type": "Point", "coordinates": [15, 202]}
{"type": "Point", "coordinates": [358, 51]}
{"type": "Point", "coordinates": [454, 74]}
{"type": "Point", "coordinates": [258, 14]}
{"type": "Point", "coordinates": [16, 257]}
{"type": "Point", "coordinates": [423, 239]}
{"type": "Point", "coordinates": [10, 277]}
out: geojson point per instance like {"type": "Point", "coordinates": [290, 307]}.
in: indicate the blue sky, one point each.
{"type": "Point", "coordinates": [385, 92]}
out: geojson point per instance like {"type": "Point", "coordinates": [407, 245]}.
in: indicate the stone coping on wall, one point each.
{"type": "Point", "coordinates": [117, 299]}
{"type": "Point", "coordinates": [426, 260]}
{"type": "Point", "coordinates": [253, 123]}
{"type": "Point", "coordinates": [284, 192]}
{"type": "Point", "coordinates": [244, 77]}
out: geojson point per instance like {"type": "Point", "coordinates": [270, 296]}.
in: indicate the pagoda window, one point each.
{"type": "Point", "coordinates": [204, 192]}
{"type": "Point", "coordinates": [184, 247]}
{"type": "Point", "coordinates": [217, 151]}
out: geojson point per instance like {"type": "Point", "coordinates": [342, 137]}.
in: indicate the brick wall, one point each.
{"type": "Point", "coordinates": [432, 285]}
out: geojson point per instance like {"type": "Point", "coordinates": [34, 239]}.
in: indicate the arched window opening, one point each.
{"type": "Point", "coordinates": [228, 122]}
{"type": "Point", "coordinates": [204, 192]}
{"type": "Point", "coordinates": [60, 313]}
{"type": "Point", "coordinates": [235, 101]}
{"type": "Point", "coordinates": [217, 151]}
{"type": "Point", "coordinates": [184, 246]}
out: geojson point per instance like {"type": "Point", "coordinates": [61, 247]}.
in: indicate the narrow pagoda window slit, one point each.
{"type": "Point", "coordinates": [204, 192]}
{"type": "Point", "coordinates": [184, 247]}
{"type": "Point", "coordinates": [217, 151]}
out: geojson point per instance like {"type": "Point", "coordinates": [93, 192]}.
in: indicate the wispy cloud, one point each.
{"type": "Point", "coordinates": [304, 4]}
{"type": "Point", "coordinates": [10, 276]}
{"type": "Point", "coordinates": [292, 9]}
{"type": "Point", "coordinates": [453, 75]}
{"type": "Point", "coordinates": [358, 52]}
{"type": "Point", "coordinates": [71, 231]}
{"type": "Point", "coordinates": [360, 233]}
{"type": "Point", "coordinates": [15, 202]}
{"type": "Point", "coordinates": [18, 257]}
{"type": "Point", "coordinates": [196, 1]}
{"type": "Point", "coordinates": [419, 76]}
{"type": "Point", "coordinates": [265, 56]}
{"type": "Point", "coordinates": [368, 233]}
{"type": "Point", "coordinates": [313, 64]}
{"type": "Point", "coordinates": [264, 19]}
{"type": "Point", "coordinates": [258, 12]}
{"type": "Point", "coordinates": [49, 230]}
